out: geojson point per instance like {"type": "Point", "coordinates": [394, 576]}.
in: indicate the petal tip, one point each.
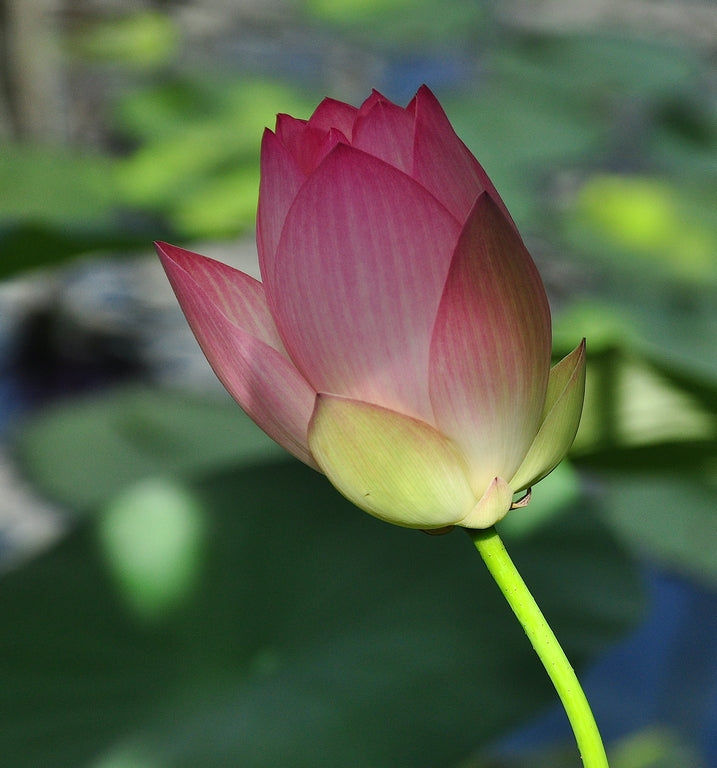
{"type": "Point", "coordinates": [492, 507]}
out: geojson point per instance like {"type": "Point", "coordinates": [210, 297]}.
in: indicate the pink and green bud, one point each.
{"type": "Point", "coordinates": [400, 339]}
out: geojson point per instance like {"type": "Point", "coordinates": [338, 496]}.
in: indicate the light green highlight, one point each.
{"type": "Point", "coordinates": [152, 536]}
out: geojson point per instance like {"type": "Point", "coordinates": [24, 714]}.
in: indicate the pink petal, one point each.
{"type": "Point", "coordinates": [334, 114]}
{"type": "Point", "coordinates": [307, 147]}
{"type": "Point", "coordinates": [227, 312]}
{"type": "Point", "coordinates": [330, 140]}
{"type": "Point", "coordinates": [443, 163]}
{"type": "Point", "coordinates": [490, 352]}
{"type": "Point", "coordinates": [281, 179]}
{"type": "Point", "coordinates": [289, 129]}
{"type": "Point", "coordinates": [370, 102]}
{"type": "Point", "coordinates": [359, 273]}
{"type": "Point", "coordinates": [386, 131]}
{"type": "Point", "coordinates": [238, 296]}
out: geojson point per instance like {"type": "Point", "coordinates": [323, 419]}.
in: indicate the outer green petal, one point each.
{"type": "Point", "coordinates": [492, 506]}
{"type": "Point", "coordinates": [392, 466]}
{"type": "Point", "coordinates": [561, 416]}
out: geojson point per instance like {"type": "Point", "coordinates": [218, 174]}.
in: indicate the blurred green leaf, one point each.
{"type": "Point", "coordinates": [649, 748]}
{"type": "Point", "coordinates": [352, 11]}
{"type": "Point", "coordinates": [54, 185]}
{"type": "Point", "coordinates": [153, 111]}
{"type": "Point", "coordinates": [401, 23]}
{"type": "Point", "coordinates": [685, 136]}
{"type": "Point", "coordinates": [653, 748]}
{"type": "Point", "coordinates": [315, 632]}
{"type": "Point", "coordinates": [141, 40]}
{"type": "Point", "coordinates": [547, 103]}
{"type": "Point", "coordinates": [152, 535]}
{"type": "Point", "coordinates": [519, 134]}
{"type": "Point", "coordinates": [649, 439]}
{"type": "Point", "coordinates": [651, 222]}
{"type": "Point", "coordinates": [221, 205]}
{"type": "Point", "coordinates": [632, 404]}
{"type": "Point", "coordinates": [679, 327]}
{"type": "Point", "coordinates": [593, 68]}
{"type": "Point", "coordinates": [198, 159]}
{"type": "Point", "coordinates": [84, 453]}
{"type": "Point", "coordinates": [27, 246]}
{"type": "Point", "coordinates": [58, 203]}
{"type": "Point", "coordinates": [672, 323]}
{"type": "Point", "coordinates": [672, 516]}
{"type": "Point", "coordinates": [601, 323]}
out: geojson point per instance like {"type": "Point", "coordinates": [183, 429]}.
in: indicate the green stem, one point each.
{"type": "Point", "coordinates": [546, 645]}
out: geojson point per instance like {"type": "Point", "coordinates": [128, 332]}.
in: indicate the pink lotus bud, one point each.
{"type": "Point", "coordinates": [400, 340]}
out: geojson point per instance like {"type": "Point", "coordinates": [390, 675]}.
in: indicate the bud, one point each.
{"type": "Point", "coordinates": [400, 339]}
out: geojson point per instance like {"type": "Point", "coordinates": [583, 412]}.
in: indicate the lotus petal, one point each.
{"type": "Point", "coordinates": [334, 114]}
{"type": "Point", "coordinates": [281, 179]}
{"type": "Point", "coordinates": [236, 295]}
{"type": "Point", "coordinates": [561, 417]}
{"type": "Point", "coordinates": [359, 274]}
{"type": "Point", "coordinates": [490, 352]}
{"type": "Point", "coordinates": [370, 102]}
{"type": "Point", "coordinates": [309, 147]}
{"type": "Point", "coordinates": [492, 506]}
{"type": "Point", "coordinates": [289, 130]}
{"type": "Point", "coordinates": [394, 467]}
{"type": "Point", "coordinates": [443, 163]}
{"type": "Point", "coordinates": [227, 312]}
{"type": "Point", "coordinates": [386, 132]}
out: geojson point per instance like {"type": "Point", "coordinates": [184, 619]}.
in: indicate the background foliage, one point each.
{"type": "Point", "coordinates": [212, 602]}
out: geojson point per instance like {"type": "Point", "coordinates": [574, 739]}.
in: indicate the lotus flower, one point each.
{"type": "Point", "coordinates": [400, 341]}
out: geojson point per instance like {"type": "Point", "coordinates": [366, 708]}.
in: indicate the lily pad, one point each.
{"type": "Point", "coordinates": [313, 635]}
{"type": "Point", "coordinates": [85, 452]}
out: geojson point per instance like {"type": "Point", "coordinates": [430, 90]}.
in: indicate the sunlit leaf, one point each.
{"type": "Point", "coordinates": [222, 205]}
{"type": "Point", "coordinates": [198, 162]}
{"type": "Point", "coordinates": [631, 405]}
{"type": "Point", "coordinates": [46, 184]}
{"type": "Point", "coordinates": [648, 218]}
{"type": "Point", "coordinates": [141, 40]}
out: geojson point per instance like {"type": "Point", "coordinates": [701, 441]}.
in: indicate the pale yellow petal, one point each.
{"type": "Point", "coordinates": [492, 506]}
{"type": "Point", "coordinates": [561, 417]}
{"type": "Point", "coordinates": [392, 466]}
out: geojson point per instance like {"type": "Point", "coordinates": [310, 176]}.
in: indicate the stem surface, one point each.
{"type": "Point", "coordinates": [546, 645]}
